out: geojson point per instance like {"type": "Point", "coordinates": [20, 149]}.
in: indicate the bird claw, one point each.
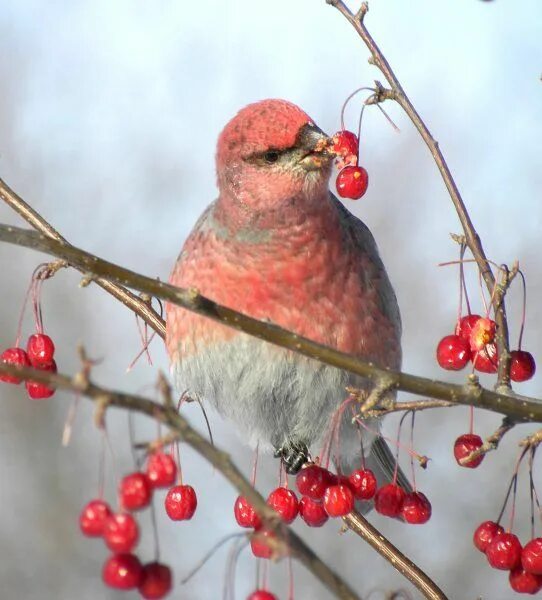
{"type": "Point", "coordinates": [294, 456]}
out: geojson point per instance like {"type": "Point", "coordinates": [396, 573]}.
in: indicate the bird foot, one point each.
{"type": "Point", "coordinates": [294, 456]}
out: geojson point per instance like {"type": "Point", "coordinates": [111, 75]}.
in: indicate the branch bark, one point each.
{"type": "Point", "coordinates": [473, 241]}
{"type": "Point", "coordinates": [516, 407]}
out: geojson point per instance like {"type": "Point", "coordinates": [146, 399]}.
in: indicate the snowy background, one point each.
{"type": "Point", "coordinates": [109, 113]}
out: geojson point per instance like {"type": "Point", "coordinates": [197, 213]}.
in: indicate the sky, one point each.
{"type": "Point", "coordinates": [109, 115]}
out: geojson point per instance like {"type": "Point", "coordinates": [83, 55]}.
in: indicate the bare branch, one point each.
{"type": "Point", "coordinates": [515, 406]}
{"type": "Point", "coordinates": [471, 236]}
{"type": "Point", "coordinates": [168, 415]}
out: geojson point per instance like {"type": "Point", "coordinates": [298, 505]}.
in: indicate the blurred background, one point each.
{"type": "Point", "coordinates": [109, 114]}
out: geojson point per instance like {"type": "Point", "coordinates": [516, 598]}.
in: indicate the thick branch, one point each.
{"type": "Point", "coordinates": [137, 305]}
{"type": "Point", "coordinates": [385, 548]}
{"type": "Point", "coordinates": [518, 408]}
{"type": "Point", "coordinates": [472, 238]}
{"type": "Point", "coordinates": [169, 416]}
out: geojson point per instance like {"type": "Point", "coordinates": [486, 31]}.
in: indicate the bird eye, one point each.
{"type": "Point", "coordinates": [271, 157]}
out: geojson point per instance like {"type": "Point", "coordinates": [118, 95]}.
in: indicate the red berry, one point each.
{"type": "Point", "coordinates": [338, 500]}
{"type": "Point", "coordinates": [464, 327]}
{"type": "Point", "coordinates": [346, 145]}
{"type": "Point", "coordinates": [453, 353]}
{"type": "Point", "coordinates": [482, 334]}
{"type": "Point", "coordinates": [181, 503]}
{"type": "Point", "coordinates": [523, 366]}
{"type": "Point", "coordinates": [13, 356]}
{"type": "Point", "coordinates": [504, 552]}
{"type": "Point", "coordinates": [38, 391]}
{"type": "Point", "coordinates": [464, 445]}
{"type": "Point", "coordinates": [363, 484]}
{"type": "Point", "coordinates": [135, 491]}
{"type": "Point", "coordinates": [487, 360]}
{"type": "Point", "coordinates": [389, 500]}
{"type": "Point", "coordinates": [416, 508]}
{"type": "Point", "coordinates": [312, 512]}
{"type": "Point", "coordinates": [259, 545]}
{"type": "Point", "coordinates": [122, 571]}
{"type": "Point", "coordinates": [484, 534]}
{"type": "Point", "coordinates": [352, 182]}
{"type": "Point", "coordinates": [524, 582]}
{"type": "Point", "coordinates": [285, 503]}
{"type": "Point", "coordinates": [93, 517]}
{"type": "Point", "coordinates": [161, 470]}
{"type": "Point", "coordinates": [155, 581]}
{"type": "Point", "coordinates": [531, 556]}
{"type": "Point", "coordinates": [245, 515]}
{"type": "Point", "coordinates": [40, 350]}
{"type": "Point", "coordinates": [313, 480]}
{"type": "Point", "coordinates": [121, 532]}
{"type": "Point", "coordinates": [262, 595]}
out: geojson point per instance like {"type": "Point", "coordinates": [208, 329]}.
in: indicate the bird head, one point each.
{"type": "Point", "coordinates": [271, 153]}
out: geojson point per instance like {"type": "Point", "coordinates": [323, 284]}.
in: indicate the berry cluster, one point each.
{"type": "Point", "coordinates": [120, 530]}
{"type": "Point", "coordinates": [39, 354]}
{"type": "Point", "coordinates": [352, 180]}
{"type": "Point", "coordinates": [504, 551]}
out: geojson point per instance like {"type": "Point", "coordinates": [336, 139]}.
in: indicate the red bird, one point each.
{"type": "Point", "coordinates": [278, 246]}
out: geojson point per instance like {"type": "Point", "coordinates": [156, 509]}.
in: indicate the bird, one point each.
{"type": "Point", "coordinates": [278, 246]}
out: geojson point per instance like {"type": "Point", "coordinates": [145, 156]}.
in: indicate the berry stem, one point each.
{"type": "Point", "coordinates": [255, 464]}
{"type": "Point", "coordinates": [524, 308]}
{"type": "Point", "coordinates": [413, 417]}
{"type": "Point", "coordinates": [369, 89]}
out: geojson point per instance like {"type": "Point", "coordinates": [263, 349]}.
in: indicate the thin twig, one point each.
{"type": "Point", "coordinates": [385, 548]}
{"type": "Point", "coordinates": [491, 443]}
{"type": "Point", "coordinates": [169, 416]}
{"type": "Point", "coordinates": [472, 238]}
{"type": "Point", "coordinates": [515, 406]}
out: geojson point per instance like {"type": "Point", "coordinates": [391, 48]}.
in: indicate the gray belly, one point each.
{"type": "Point", "coordinates": [273, 395]}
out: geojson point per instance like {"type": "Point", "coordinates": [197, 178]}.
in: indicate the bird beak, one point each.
{"type": "Point", "coordinates": [316, 146]}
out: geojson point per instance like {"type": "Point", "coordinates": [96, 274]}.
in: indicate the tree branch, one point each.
{"type": "Point", "coordinates": [515, 406]}
{"type": "Point", "coordinates": [385, 548]}
{"type": "Point", "coordinates": [170, 417]}
{"type": "Point", "coordinates": [474, 243]}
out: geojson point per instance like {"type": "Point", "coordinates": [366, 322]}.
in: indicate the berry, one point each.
{"type": "Point", "coordinates": [312, 512]}
{"type": "Point", "coordinates": [523, 366]}
{"type": "Point", "coordinates": [245, 515]}
{"type": "Point", "coordinates": [262, 595]}
{"type": "Point", "coordinates": [389, 500]}
{"type": "Point", "coordinates": [352, 182]}
{"type": "Point", "coordinates": [346, 145]}
{"type": "Point", "coordinates": [464, 327]}
{"type": "Point", "coordinates": [484, 534]}
{"type": "Point", "coordinates": [155, 581]}
{"type": "Point", "coordinates": [531, 556]}
{"type": "Point", "coordinates": [135, 491]}
{"type": "Point", "coordinates": [487, 360]}
{"type": "Point", "coordinates": [181, 503]}
{"type": "Point", "coordinates": [363, 484]}
{"type": "Point", "coordinates": [13, 356]}
{"type": "Point", "coordinates": [121, 532]}
{"type": "Point", "coordinates": [93, 517]}
{"type": "Point", "coordinates": [38, 391]}
{"type": "Point", "coordinates": [482, 334]}
{"type": "Point", "coordinates": [524, 582]}
{"type": "Point", "coordinates": [416, 508]}
{"type": "Point", "coordinates": [259, 545]}
{"type": "Point", "coordinates": [504, 552]}
{"type": "Point", "coordinates": [122, 571]}
{"type": "Point", "coordinates": [161, 470]}
{"type": "Point", "coordinates": [285, 503]}
{"type": "Point", "coordinates": [464, 445]}
{"type": "Point", "coordinates": [313, 480]}
{"type": "Point", "coordinates": [453, 353]}
{"type": "Point", "coordinates": [40, 350]}
{"type": "Point", "coordinates": [338, 500]}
